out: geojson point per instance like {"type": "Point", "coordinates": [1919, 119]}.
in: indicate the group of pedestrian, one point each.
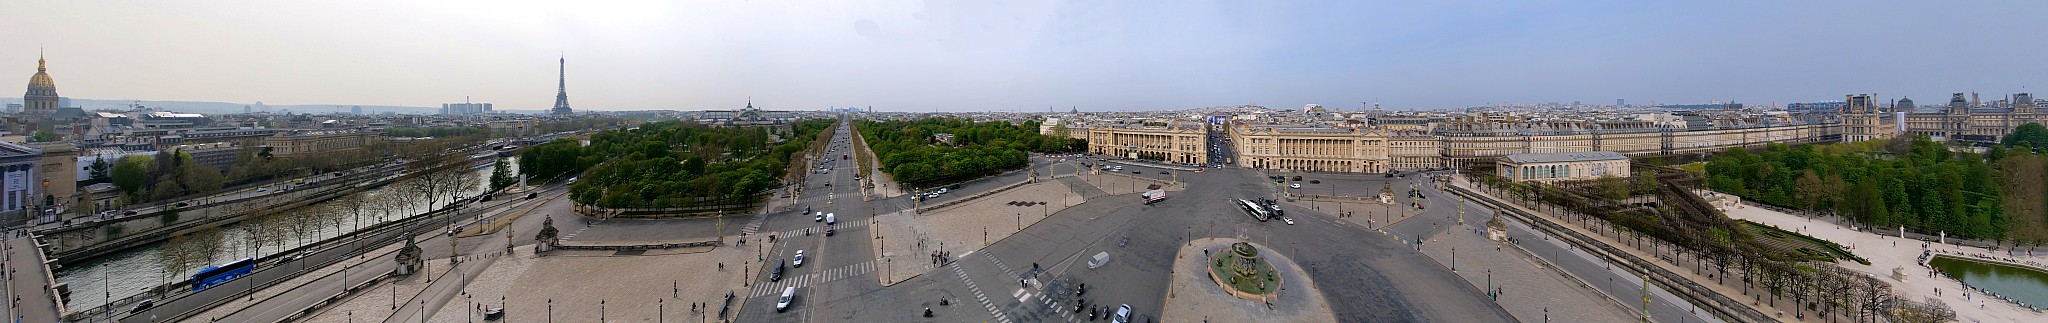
{"type": "Point", "coordinates": [941, 257]}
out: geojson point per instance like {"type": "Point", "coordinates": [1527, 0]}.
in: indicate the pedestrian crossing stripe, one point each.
{"type": "Point", "coordinates": [821, 229]}
{"type": "Point", "coordinates": [807, 280]}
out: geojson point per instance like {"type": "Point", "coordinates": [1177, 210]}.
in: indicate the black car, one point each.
{"type": "Point", "coordinates": [1315, 181]}
{"type": "Point", "coordinates": [1163, 172]}
{"type": "Point", "coordinates": [777, 274]}
{"type": "Point", "coordinates": [144, 305]}
{"type": "Point", "coordinates": [530, 196]}
{"type": "Point", "coordinates": [1297, 178]}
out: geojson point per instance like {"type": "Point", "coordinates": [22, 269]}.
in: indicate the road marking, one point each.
{"type": "Point", "coordinates": [991, 306]}
{"type": "Point", "coordinates": [821, 228]}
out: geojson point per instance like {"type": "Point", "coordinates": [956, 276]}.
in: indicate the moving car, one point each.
{"type": "Point", "coordinates": [782, 303]}
{"type": "Point", "coordinates": [142, 306]}
{"type": "Point", "coordinates": [1123, 314]}
{"type": "Point", "coordinates": [1315, 181]}
{"type": "Point", "coordinates": [1290, 221]}
{"type": "Point", "coordinates": [820, 218]}
{"type": "Point", "coordinates": [777, 274]}
{"type": "Point", "coordinates": [831, 218]}
{"type": "Point", "coordinates": [1296, 185]}
{"type": "Point", "coordinates": [799, 263]}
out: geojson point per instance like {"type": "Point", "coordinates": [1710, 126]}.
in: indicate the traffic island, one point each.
{"type": "Point", "coordinates": [1244, 284]}
{"type": "Point", "coordinates": [1243, 273]}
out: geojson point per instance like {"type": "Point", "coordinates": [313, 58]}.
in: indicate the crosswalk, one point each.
{"type": "Point", "coordinates": [841, 226]}
{"type": "Point", "coordinates": [985, 302]}
{"type": "Point", "coordinates": [811, 279]}
{"type": "Point", "coordinates": [572, 235]}
{"type": "Point", "coordinates": [753, 226]}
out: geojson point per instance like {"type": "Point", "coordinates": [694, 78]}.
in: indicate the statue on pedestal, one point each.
{"type": "Point", "coordinates": [408, 257]}
{"type": "Point", "coordinates": [548, 237]}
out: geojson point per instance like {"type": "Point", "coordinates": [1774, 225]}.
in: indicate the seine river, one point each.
{"type": "Point", "coordinates": [137, 270]}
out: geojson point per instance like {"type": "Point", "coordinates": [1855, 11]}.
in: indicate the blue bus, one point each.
{"type": "Point", "coordinates": [221, 274]}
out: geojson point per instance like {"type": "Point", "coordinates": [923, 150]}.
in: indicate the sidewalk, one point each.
{"type": "Point", "coordinates": [29, 281]}
{"type": "Point", "coordinates": [1530, 289]}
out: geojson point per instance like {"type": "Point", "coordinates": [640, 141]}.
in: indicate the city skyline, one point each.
{"type": "Point", "coordinates": [1023, 56]}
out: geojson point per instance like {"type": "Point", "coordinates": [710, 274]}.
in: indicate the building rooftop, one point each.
{"type": "Point", "coordinates": [1565, 157]}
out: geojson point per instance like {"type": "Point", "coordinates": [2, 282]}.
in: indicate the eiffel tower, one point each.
{"type": "Point", "coordinates": [562, 91]}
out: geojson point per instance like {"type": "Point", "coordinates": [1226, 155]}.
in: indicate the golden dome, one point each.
{"type": "Point", "coordinates": [41, 84]}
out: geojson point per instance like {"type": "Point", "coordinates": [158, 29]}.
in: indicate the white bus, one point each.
{"type": "Point", "coordinates": [1253, 209]}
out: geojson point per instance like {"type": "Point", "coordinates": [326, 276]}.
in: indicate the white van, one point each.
{"type": "Point", "coordinates": [788, 294]}
{"type": "Point", "coordinates": [831, 218]}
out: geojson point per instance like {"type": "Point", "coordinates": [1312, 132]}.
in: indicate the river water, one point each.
{"type": "Point", "coordinates": [137, 270]}
{"type": "Point", "coordinates": [2026, 285]}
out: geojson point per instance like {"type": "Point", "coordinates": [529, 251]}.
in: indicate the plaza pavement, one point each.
{"type": "Point", "coordinates": [1198, 298]}
{"type": "Point", "coordinates": [1531, 289]}
{"type": "Point", "coordinates": [1888, 252]}
{"type": "Point", "coordinates": [907, 240]}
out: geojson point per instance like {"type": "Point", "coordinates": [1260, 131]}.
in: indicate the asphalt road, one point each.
{"type": "Point", "coordinates": [1366, 276]}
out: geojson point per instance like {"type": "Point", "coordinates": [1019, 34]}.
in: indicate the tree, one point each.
{"type": "Point", "coordinates": [131, 174]}
{"type": "Point", "coordinates": [101, 171]}
{"type": "Point", "coordinates": [2031, 134]}
{"type": "Point", "coordinates": [45, 136]}
{"type": "Point", "coordinates": [501, 175]}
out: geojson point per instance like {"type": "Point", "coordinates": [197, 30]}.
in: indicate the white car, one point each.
{"type": "Point", "coordinates": [799, 263]}
{"type": "Point", "coordinates": [1290, 221]}
{"type": "Point", "coordinates": [1293, 185]}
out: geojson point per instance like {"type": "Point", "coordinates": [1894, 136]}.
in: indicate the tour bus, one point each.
{"type": "Point", "coordinates": [1253, 209]}
{"type": "Point", "coordinates": [221, 274]}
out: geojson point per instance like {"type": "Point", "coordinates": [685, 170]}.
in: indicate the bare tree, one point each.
{"type": "Point", "coordinates": [432, 183]}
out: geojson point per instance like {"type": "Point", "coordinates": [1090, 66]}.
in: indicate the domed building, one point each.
{"type": "Point", "coordinates": [41, 98]}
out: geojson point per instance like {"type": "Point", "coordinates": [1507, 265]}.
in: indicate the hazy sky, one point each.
{"type": "Point", "coordinates": [1025, 55]}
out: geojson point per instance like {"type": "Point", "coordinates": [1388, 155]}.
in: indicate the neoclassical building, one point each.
{"type": "Point", "coordinates": [1175, 142]}
{"type": "Point", "coordinates": [1551, 167]}
{"type": "Point", "coordinates": [41, 99]}
{"type": "Point", "coordinates": [1864, 120]}
{"type": "Point", "coordinates": [298, 143]}
{"type": "Point", "coordinates": [1311, 148]}
{"type": "Point", "coordinates": [1967, 121]}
